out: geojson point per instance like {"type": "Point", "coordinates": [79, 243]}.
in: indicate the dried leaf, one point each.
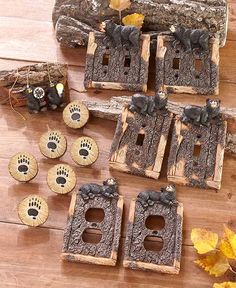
{"type": "Point", "coordinates": [119, 5]}
{"type": "Point", "coordinates": [134, 20]}
{"type": "Point", "coordinates": [225, 285]}
{"type": "Point", "coordinates": [228, 244]}
{"type": "Point", "coordinates": [215, 264]}
{"type": "Point", "coordinates": [204, 241]}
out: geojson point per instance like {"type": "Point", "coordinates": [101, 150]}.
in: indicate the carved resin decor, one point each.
{"type": "Point", "coordinates": [192, 72]}
{"type": "Point", "coordinates": [119, 68]}
{"type": "Point", "coordinates": [154, 236]}
{"type": "Point", "coordinates": [196, 154]}
{"type": "Point", "coordinates": [94, 210]}
{"type": "Point", "coordinates": [139, 143]}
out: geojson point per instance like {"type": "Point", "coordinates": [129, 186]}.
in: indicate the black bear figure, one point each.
{"type": "Point", "coordinates": [109, 189]}
{"type": "Point", "coordinates": [191, 38]}
{"type": "Point", "coordinates": [149, 105]}
{"type": "Point", "coordinates": [166, 196]}
{"type": "Point", "coordinates": [35, 99]}
{"type": "Point", "coordinates": [121, 35]}
{"type": "Point", "coordinates": [55, 95]}
{"type": "Point", "coordinates": [202, 115]}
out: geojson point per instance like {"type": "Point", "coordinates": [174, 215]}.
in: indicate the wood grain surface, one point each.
{"type": "Point", "coordinates": [31, 257]}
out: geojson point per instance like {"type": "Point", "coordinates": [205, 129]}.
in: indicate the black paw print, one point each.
{"type": "Point", "coordinates": [54, 140]}
{"type": "Point", "coordinates": [23, 164]}
{"type": "Point", "coordinates": [62, 174]}
{"type": "Point", "coordinates": [85, 147]}
{"type": "Point", "coordinates": [34, 207]}
{"type": "Point", "coordinates": [75, 112]}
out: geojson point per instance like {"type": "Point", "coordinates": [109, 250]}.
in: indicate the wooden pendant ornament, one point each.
{"type": "Point", "coordinates": [23, 167]}
{"type": "Point", "coordinates": [84, 151]}
{"type": "Point", "coordinates": [197, 147]}
{"type": "Point", "coordinates": [61, 179]}
{"type": "Point", "coordinates": [141, 135]}
{"type": "Point", "coordinates": [53, 144]}
{"type": "Point", "coordinates": [75, 115]}
{"type": "Point", "coordinates": [93, 228]}
{"type": "Point", "coordinates": [154, 235]}
{"type": "Point", "coordinates": [33, 211]}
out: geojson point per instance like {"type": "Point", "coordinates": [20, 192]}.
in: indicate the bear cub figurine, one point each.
{"type": "Point", "coordinates": [202, 115]}
{"type": "Point", "coordinates": [191, 39]}
{"type": "Point", "coordinates": [109, 189]}
{"type": "Point", "coordinates": [149, 105]}
{"type": "Point", "coordinates": [166, 196]}
{"type": "Point", "coordinates": [121, 35]}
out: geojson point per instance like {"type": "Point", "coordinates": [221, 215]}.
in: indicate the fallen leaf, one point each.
{"type": "Point", "coordinates": [134, 20]}
{"type": "Point", "coordinates": [119, 5]}
{"type": "Point", "coordinates": [225, 285]}
{"type": "Point", "coordinates": [228, 244]}
{"type": "Point", "coordinates": [204, 241]}
{"type": "Point", "coordinates": [215, 264]}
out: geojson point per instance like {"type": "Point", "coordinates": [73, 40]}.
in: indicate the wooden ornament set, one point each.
{"type": "Point", "coordinates": [61, 178]}
{"type": "Point", "coordinates": [186, 62]}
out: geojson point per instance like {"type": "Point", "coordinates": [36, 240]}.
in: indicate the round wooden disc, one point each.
{"type": "Point", "coordinates": [75, 114]}
{"type": "Point", "coordinates": [23, 167]}
{"type": "Point", "coordinates": [61, 179]}
{"type": "Point", "coordinates": [84, 151]}
{"type": "Point", "coordinates": [52, 144]}
{"type": "Point", "coordinates": [33, 210]}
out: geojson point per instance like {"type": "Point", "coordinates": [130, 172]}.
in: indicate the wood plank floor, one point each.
{"type": "Point", "coordinates": [30, 257]}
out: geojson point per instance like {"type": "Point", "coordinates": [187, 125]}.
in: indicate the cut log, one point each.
{"type": "Point", "coordinates": [37, 75]}
{"type": "Point", "coordinates": [111, 110]}
{"type": "Point", "coordinates": [73, 20]}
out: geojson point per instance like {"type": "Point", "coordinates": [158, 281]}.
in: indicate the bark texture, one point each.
{"type": "Point", "coordinates": [171, 236]}
{"type": "Point", "coordinates": [77, 224]}
{"type": "Point", "coordinates": [73, 19]}
{"type": "Point", "coordinates": [111, 110]}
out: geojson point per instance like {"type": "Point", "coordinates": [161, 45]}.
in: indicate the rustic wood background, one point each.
{"type": "Point", "coordinates": [31, 257]}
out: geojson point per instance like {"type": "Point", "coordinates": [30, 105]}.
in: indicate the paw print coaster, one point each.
{"type": "Point", "coordinates": [75, 115]}
{"type": "Point", "coordinates": [84, 151]}
{"type": "Point", "coordinates": [23, 167]}
{"type": "Point", "coordinates": [52, 144]}
{"type": "Point", "coordinates": [33, 211]}
{"type": "Point", "coordinates": [61, 179]}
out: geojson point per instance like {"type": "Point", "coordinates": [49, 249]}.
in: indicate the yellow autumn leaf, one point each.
{"type": "Point", "coordinates": [134, 20]}
{"type": "Point", "coordinates": [215, 264]}
{"type": "Point", "coordinates": [119, 5]}
{"type": "Point", "coordinates": [225, 285]}
{"type": "Point", "coordinates": [204, 241]}
{"type": "Point", "coordinates": [228, 244]}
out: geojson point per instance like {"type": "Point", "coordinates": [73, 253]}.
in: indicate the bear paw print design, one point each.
{"type": "Point", "coordinates": [53, 144]}
{"type": "Point", "coordinates": [84, 151]}
{"type": "Point", "coordinates": [61, 179]}
{"type": "Point", "coordinates": [34, 207]}
{"type": "Point", "coordinates": [33, 210]}
{"type": "Point", "coordinates": [75, 115]}
{"type": "Point", "coordinates": [23, 167]}
{"type": "Point", "coordinates": [85, 148]}
{"type": "Point", "coordinates": [62, 175]}
{"type": "Point", "coordinates": [23, 164]}
{"type": "Point", "coordinates": [75, 112]}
